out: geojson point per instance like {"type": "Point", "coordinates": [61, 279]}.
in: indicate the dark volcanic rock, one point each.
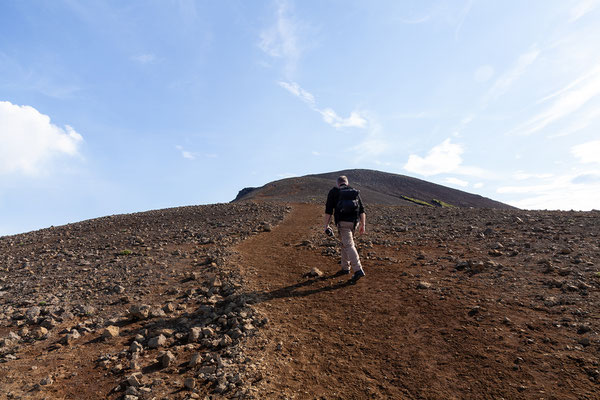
{"type": "Point", "coordinates": [376, 188]}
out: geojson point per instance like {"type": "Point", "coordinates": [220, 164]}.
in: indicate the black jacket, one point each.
{"type": "Point", "coordinates": [332, 200]}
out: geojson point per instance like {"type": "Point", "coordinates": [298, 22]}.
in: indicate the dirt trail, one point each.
{"type": "Point", "coordinates": [326, 338]}
{"type": "Point", "coordinates": [388, 337]}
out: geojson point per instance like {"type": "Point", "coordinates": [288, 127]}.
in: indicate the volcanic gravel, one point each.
{"type": "Point", "coordinates": [242, 301]}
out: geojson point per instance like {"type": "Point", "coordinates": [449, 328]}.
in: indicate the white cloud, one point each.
{"type": "Point", "coordinates": [582, 8]}
{"type": "Point", "coordinates": [186, 154]}
{"type": "Point", "coordinates": [521, 176]}
{"type": "Point", "coordinates": [566, 101]}
{"type": "Point", "coordinates": [587, 152]}
{"type": "Point", "coordinates": [281, 40]}
{"type": "Point", "coordinates": [478, 185]}
{"type": "Point", "coordinates": [144, 58]}
{"type": "Point", "coordinates": [456, 182]}
{"type": "Point", "coordinates": [30, 141]}
{"type": "Point", "coordinates": [355, 120]}
{"type": "Point", "coordinates": [443, 158]}
{"type": "Point", "coordinates": [565, 192]}
{"type": "Point", "coordinates": [297, 91]}
{"type": "Point", "coordinates": [504, 82]}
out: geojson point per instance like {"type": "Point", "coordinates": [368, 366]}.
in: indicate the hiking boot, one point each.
{"type": "Point", "coordinates": [342, 272]}
{"type": "Point", "coordinates": [357, 275]}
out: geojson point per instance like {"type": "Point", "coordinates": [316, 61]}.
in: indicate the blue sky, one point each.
{"type": "Point", "coordinates": [113, 107]}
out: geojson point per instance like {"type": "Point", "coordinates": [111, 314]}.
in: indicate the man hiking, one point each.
{"type": "Point", "coordinates": [348, 213]}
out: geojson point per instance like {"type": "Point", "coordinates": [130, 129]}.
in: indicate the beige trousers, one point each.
{"type": "Point", "coordinates": [349, 253]}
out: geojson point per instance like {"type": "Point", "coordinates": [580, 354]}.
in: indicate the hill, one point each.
{"type": "Point", "coordinates": [243, 301]}
{"type": "Point", "coordinates": [376, 187]}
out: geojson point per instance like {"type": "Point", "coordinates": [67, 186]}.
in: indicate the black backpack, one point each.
{"type": "Point", "coordinates": [347, 205]}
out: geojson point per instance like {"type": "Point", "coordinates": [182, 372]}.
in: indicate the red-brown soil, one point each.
{"type": "Point", "coordinates": [456, 304]}
{"type": "Point", "coordinates": [466, 336]}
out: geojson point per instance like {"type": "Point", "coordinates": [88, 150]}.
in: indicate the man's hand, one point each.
{"type": "Point", "coordinates": [362, 224]}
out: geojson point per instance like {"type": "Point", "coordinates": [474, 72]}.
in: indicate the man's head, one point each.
{"type": "Point", "coordinates": [342, 180]}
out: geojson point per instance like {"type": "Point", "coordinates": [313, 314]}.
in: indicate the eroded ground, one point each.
{"type": "Point", "coordinates": [457, 303]}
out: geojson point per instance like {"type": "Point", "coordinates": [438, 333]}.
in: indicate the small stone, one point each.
{"type": "Point", "coordinates": [226, 341]}
{"type": "Point", "coordinates": [110, 332]}
{"type": "Point", "coordinates": [424, 285]}
{"type": "Point", "coordinates": [157, 341]}
{"type": "Point", "coordinates": [166, 359]}
{"type": "Point", "coordinates": [169, 308]}
{"type": "Point", "coordinates": [40, 332]}
{"type": "Point", "coordinates": [207, 332]}
{"type": "Point", "coordinates": [85, 310]}
{"type": "Point", "coordinates": [315, 273]}
{"type": "Point", "coordinates": [195, 334]}
{"type": "Point", "coordinates": [140, 312]}
{"type": "Point", "coordinates": [196, 360]}
{"type": "Point", "coordinates": [216, 282]}
{"type": "Point", "coordinates": [132, 390]}
{"type": "Point", "coordinates": [189, 383]}
{"type": "Point", "coordinates": [584, 341]}
{"type": "Point", "coordinates": [474, 311]}
{"type": "Point", "coordinates": [47, 381]}
{"type": "Point", "coordinates": [136, 347]}
{"type": "Point", "coordinates": [583, 329]}
{"type": "Point", "coordinates": [33, 313]}
{"type": "Point", "coordinates": [134, 379]}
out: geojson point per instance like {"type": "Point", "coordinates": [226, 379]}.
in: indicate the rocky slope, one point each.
{"type": "Point", "coordinates": [242, 301]}
{"type": "Point", "coordinates": [89, 309]}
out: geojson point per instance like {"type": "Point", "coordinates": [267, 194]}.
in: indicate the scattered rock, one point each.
{"type": "Point", "coordinates": [110, 332]}
{"type": "Point", "coordinates": [189, 383]}
{"type": "Point", "coordinates": [140, 312]}
{"type": "Point", "coordinates": [424, 285]}
{"type": "Point", "coordinates": [165, 359]}
{"type": "Point", "coordinates": [157, 341]}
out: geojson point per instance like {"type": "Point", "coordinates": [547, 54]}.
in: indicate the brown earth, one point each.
{"type": "Point", "coordinates": [456, 304]}
{"type": "Point", "coordinates": [415, 327]}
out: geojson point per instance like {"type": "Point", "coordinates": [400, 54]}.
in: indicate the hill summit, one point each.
{"type": "Point", "coordinates": [376, 187]}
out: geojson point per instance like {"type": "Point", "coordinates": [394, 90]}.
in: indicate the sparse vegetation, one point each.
{"type": "Point", "coordinates": [417, 201]}
{"type": "Point", "coordinates": [441, 203]}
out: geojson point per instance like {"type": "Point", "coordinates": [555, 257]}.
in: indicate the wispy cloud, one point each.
{"type": "Point", "coordinates": [522, 176]}
{"type": "Point", "coordinates": [144, 58]}
{"type": "Point", "coordinates": [582, 8]}
{"type": "Point", "coordinates": [587, 152]}
{"type": "Point", "coordinates": [355, 120]}
{"type": "Point", "coordinates": [566, 101]}
{"type": "Point", "coordinates": [506, 80]}
{"type": "Point", "coordinates": [302, 94]}
{"type": "Point", "coordinates": [30, 142]}
{"type": "Point", "coordinates": [462, 17]}
{"type": "Point", "coordinates": [564, 192]}
{"type": "Point", "coordinates": [281, 40]}
{"type": "Point", "coordinates": [185, 153]}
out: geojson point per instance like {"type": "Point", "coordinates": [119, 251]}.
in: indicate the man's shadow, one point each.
{"type": "Point", "coordinates": [295, 290]}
